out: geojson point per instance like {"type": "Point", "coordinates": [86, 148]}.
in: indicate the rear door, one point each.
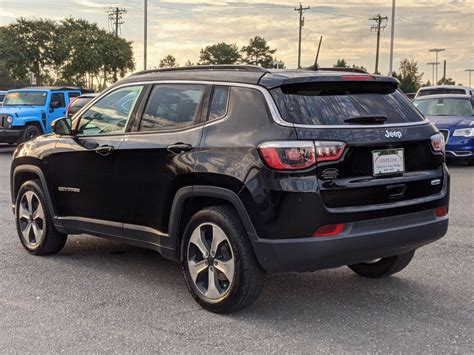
{"type": "Point", "coordinates": [388, 155]}
{"type": "Point", "coordinates": [158, 157]}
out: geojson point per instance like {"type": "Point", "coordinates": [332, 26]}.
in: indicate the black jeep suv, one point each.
{"type": "Point", "coordinates": [237, 170]}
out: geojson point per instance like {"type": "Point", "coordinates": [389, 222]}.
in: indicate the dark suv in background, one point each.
{"type": "Point", "coordinates": [237, 170]}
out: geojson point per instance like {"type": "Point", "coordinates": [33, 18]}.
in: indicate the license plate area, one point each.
{"type": "Point", "coordinates": [388, 162]}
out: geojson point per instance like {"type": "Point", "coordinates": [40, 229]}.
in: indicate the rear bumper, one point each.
{"type": "Point", "coordinates": [360, 241]}
{"type": "Point", "coordinates": [10, 135]}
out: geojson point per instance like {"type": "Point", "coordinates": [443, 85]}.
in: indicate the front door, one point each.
{"type": "Point", "coordinates": [84, 166]}
{"type": "Point", "coordinates": [57, 109]}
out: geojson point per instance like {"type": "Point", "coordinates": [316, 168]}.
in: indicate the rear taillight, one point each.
{"type": "Point", "coordinates": [437, 142]}
{"type": "Point", "coordinates": [297, 155]}
{"type": "Point", "coordinates": [327, 151]}
{"type": "Point", "coordinates": [329, 230]}
{"type": "Point", "coordinates": [288, 155]}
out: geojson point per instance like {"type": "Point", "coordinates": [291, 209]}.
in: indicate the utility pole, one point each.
{"type": "Point", "coordinates": [392, 37]}
{"type": "Point", "coordinates": [436, 50]}
{"type": "Point", "coordinates": [444, 71]}
{"type": "Point", "coordinates": [116, 17]}
{"type": "Point", "coordinates": [470, 72]}
{"type": "Point", "coordinates": [433, 64]}
{"type": "Point", "coordinates": [145, 34]}
{"type": "Point", "coordinates": [378, 27]}
{"type": "Point", "coordinates": [301, 11]}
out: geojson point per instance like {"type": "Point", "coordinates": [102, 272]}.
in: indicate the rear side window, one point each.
{"type": "Point", "coordinates": [172, 106]}
{"type": "Point", "coordinates": [335, 102]}
{"type": "Point", "coordinates": [2, 97]}
{"type": "Point", "coordinates": [219, 102]}
{"type": "Point", "coordinates": [72, 95]}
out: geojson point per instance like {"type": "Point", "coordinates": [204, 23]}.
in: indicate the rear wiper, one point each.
{"type": "Point", "coordinates": [369, 119]}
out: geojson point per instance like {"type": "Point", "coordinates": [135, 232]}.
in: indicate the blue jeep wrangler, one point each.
{"type": "Point", "coordinates": [28, 113]}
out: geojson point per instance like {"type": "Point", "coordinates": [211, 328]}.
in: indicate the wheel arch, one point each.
{"type": "Point", "coordinates": [23, 173]}
{"type": "Point", "coordinates": [201, 195]}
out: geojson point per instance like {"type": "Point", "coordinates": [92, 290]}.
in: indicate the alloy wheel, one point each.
{"type": "Point", "coordinates": [211, 261]}
{"type": "Point", "coordinates": [31, 219]}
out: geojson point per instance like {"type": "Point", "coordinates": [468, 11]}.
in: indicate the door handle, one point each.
{"type": "Point", "coordinates": [104, 150]}
{"type": "Point", "coordinates": [179, 148]}
{"type": "Point", "coordinates": [396, 191]}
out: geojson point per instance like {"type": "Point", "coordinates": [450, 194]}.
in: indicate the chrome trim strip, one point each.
{"type": "Point", "coordinates": [114, 224]}
{"type": "Point", "coordinates": [268, 98]}
{"type": "Point", "coordinates": [463, 154]}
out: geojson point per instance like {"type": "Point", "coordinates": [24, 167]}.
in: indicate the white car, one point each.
{"type": "Point", "coordinates": [444, 89]}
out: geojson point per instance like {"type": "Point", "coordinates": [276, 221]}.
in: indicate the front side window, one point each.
{"type": "Point", "coordinates": [57, 100]}
{"type": "Point", "coordinates": [111, 113]}
{"type": "Point", "coordinates": [444, 107]}
{"type": "Point", "coordinates": [26, 98]}
{"type": "Point", "coordinates": [172, 106]}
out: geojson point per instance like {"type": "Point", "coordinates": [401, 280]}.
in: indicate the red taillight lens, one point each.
{"type": "Point", "coordinates": [288, 155]}
{"type": "Point", "coordinates": [329, 230]}
{"type": "Point", "coordinates": [296, 155]}
{"type": "Point", "coordinates": [327, 151]}
{"type": "Point", "coordinates": [437, 142]}
{"type": "Point", "coordinates": [441, 211]}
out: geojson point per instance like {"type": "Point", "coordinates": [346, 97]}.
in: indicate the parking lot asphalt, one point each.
{"type": "Point", "coordinates": [102, 296]}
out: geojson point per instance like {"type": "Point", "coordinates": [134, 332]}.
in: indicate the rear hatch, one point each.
{"type": "Point", "coordinates": [388, 156]}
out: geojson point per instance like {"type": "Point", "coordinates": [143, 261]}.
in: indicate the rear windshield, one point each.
{"type": "Point", "coordinates": [81, 101]}
{"type": "Point", "coordinates": [334, 103]}
{"type": "Point", "coordinates": [440, 91]}
{"type": "Point", "coordinates": [444, 107]}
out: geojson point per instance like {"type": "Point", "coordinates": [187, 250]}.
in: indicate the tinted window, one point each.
{"type": "Point", "coordinates": [334, 102]}
{"type": "Point", "coordinates": [111, 113]}
{"type": "Point", "coordinates": [439, 91]}
{"type": "Point", "coordinates": [58, 97]}
{"type": "Point", "coordinates": [444, 107]}
{"type": "Point", "coordinates": [72, 95]}
{"type": "Point", "coordinates": [2, 97]}
{"type": "Point", "coordinates": [172, 106]}
{"type": "Point", "coordinates": [219, 102]}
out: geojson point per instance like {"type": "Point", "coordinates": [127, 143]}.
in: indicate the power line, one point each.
{"type": "Point", "coordinates": [301, 10]}
{"type": "Point", "coordinates": [116, 17]}
{"type": "Point", "coordinates": [378, 27]}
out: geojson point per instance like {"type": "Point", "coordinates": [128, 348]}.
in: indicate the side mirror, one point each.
{"type": "Point", "coordinates": [54, 105]}
{"type": "Point", "coordinates": [62, 126]}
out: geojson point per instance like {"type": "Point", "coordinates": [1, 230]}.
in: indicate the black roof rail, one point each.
{"type": "Point", "coordinates": [235, 67]}
{"type": "Point", "coordinates": [351, 70]}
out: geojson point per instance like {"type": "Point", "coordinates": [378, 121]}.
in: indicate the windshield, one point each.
{"type": "Point", "coordinates": [336, 103]}
{"type": "Point", "coordinates": [444, 107]}
{"type": "Point", "coordinates": [25, 98]}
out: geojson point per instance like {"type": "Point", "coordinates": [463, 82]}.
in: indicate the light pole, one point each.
{"type": "Point", "coordinates": [436, 50]}
{"type": "Point", "coordinates": [392, 37]}
{"type": "Point", "coordinates": [470, 72]}
{"type": "Point", "coordinates": [145, 33]}
{"type": "Point", "coordinates": [433, 64]}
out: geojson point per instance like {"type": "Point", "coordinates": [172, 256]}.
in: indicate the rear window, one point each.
{"type": "Point", "coordinates": [440, 91]}
{"type": "Point", "coordinates": [444, 107]}
{"type": "Point", "coordinates": [81, 102]}
{"type": "Point", "coordinates": [335, 102]}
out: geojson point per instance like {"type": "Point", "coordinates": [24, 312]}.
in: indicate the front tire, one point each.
{"type": "Point", "coordinates": [30, 132]}
{"type": "Point", "coordinates": [34, 223]}
{"type": "Point", "coordinates": [218, 263]}
{"type": "Point", "coordinates": [383, 267]}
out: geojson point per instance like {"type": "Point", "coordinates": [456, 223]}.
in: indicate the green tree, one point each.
{"type": "Point", "coordinates": [168, 61]}
{"type": "Point", "coordinates": [189, 63]}
{"type": "Point", "coordinates": [220, 53]}
{"type": "Point", "coordinates": [258, 52]}
{"type": "Point", "coordinates": [30, 46]}
{"type": "Point", "coordinates": [277, 64]}
{"type": "Point", "coordinates": [341, 63]}
{"type": "Point", "coordinates": [409, 77]}
{"type": "Point", "coordinates": [446, 81]}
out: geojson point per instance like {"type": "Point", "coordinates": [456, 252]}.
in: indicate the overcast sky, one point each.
{"type": "Point", "coordinates": [182, 27]}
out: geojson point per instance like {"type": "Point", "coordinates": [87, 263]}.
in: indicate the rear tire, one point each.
{"type": "Point", "coordinates": [218, 263]}
{"type": "Point", "coordinates": [383, 267]}
{"type": "Point", "coordinates": [34, 223]}
{"type": "Point", "coordinates": [30, 132]}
